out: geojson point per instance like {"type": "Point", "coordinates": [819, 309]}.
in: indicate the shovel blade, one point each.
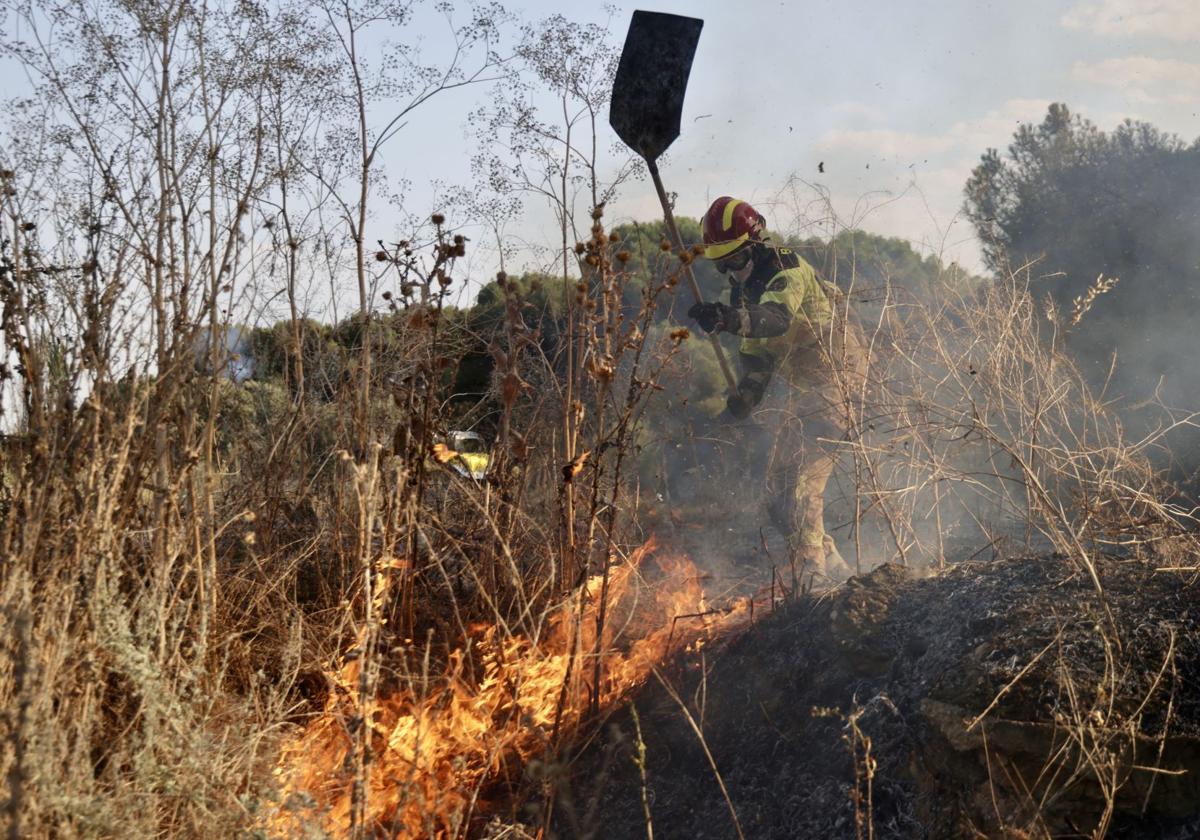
{"type": "Point", "coordinates": [647, 98]}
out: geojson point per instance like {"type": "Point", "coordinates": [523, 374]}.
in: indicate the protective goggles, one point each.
{"type": "Point", "coordinates": [736, 261]}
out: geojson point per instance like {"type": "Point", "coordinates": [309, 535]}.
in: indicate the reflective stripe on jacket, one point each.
{"type": "Point", "coordinates": [798, 328]}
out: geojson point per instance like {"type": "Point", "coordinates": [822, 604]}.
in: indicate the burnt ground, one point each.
{"type": "Point", "coordinates": [912, 662]}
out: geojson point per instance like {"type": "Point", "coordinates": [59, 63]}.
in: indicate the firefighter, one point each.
{"type": "Point", "coordinates": [797, 337]}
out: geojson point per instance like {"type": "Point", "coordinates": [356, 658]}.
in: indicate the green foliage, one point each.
{"type": "Point", "coordinates": [542, 296]}
{"type": "Point", "coordinates": [272, 347]}
{"type": "Point", "coordinates": [861, 263]}
{"type": "Point", "coordinates": [540, 300]}
{"type": "Point", "coordinates": [693, 383]}
{"type": "Point", "coordinates": [1087, 201]}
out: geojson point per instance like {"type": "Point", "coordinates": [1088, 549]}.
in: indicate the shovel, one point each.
{"type": "Point", "coordinates": [647, 102]}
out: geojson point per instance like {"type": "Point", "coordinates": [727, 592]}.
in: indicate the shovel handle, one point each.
{"type": "Point", "coordinates": [670, 219]}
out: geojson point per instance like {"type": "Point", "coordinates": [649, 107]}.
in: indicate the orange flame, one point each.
{"type": "Point", "coordinates": [434, 753]}
{"type": "Point", "coordinates": [443, 453]}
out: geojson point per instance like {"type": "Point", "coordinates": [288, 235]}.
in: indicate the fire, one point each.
{"type": "Point", "coordinates": [435, 754]}
{"type": "Point", "coordinates": [443, 453]}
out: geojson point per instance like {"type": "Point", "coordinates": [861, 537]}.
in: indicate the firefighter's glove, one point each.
{"type": "Point", "coordinates": [714, 317]}
{"type": "Point", "coordinates": [738, 407]}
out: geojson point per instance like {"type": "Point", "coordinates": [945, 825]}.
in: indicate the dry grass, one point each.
{"type": "Point", "coordinates": [977, 428]}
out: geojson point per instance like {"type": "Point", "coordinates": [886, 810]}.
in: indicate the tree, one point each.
{"type": "Point", "coordinates": [1076, 203]}
{"type": "Point", "coordinates": [863, 263]}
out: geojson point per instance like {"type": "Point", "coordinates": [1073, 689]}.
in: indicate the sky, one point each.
{"type": "Point", "coordinates": [871, 114]}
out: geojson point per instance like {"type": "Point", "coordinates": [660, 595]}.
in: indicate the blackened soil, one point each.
{"type": "Point", "coordinates": [1087, 686]}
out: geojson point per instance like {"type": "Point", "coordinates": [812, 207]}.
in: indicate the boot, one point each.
{"type": "Point", "coordinates": [835, 565]}
{"type": "Point", "coordinates": [809, 560]}
{"type": "Point", "coordinates": [812, 566]}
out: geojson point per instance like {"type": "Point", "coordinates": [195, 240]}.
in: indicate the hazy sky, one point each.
{"type": "Point", "coordinates": [897, 100]}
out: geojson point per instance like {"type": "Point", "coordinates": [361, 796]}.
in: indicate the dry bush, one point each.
{"type": "Point", "coordinates": [976, 428]}
{"type": "Point", "coordinates": [183, 557]}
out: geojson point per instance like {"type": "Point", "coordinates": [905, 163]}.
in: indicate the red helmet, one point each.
{"type": "Point", "coordinates": [728, 224]}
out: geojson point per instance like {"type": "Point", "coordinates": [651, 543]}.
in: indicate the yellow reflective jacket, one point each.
{"type": "Point", "coordinates": [797, 326]}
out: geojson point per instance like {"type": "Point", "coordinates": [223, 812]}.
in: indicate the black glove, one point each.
{"type": "Point", "coordinates": [712, 317]}
{"type": "Point", "coordinates": [739, 407]}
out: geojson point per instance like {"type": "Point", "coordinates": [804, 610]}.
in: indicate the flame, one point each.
{"type": "Point", "coordinates": [443, 453]}
{"type": "Point", "coordinates": [435, 754]}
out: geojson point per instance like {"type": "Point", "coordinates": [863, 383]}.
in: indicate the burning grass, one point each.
{"type": "Point", "coordinates": [447, 750]}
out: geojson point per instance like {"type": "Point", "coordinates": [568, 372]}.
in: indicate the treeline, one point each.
{"type": "Point", "coordinates": [861, 263]}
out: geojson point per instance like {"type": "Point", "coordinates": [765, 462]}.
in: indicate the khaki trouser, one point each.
{"type": "Point", "coordinates": [811, 417]}
{"type": "Point", "coordinates": [802, 461]}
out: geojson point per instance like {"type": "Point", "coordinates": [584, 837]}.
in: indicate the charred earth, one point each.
{"type": "Point", "coordinates": [856, 711]}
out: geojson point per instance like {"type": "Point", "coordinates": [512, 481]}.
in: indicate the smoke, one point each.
{"type": "Point", "coordinates": [234, 356]}
{"type": "Point", "coordinates": [1139, 345]}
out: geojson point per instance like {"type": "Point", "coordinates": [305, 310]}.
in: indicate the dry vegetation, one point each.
{"type": "Point", "coordinates": [263, 607]}
{"type": "Point", "coordinates": [979, 428]}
